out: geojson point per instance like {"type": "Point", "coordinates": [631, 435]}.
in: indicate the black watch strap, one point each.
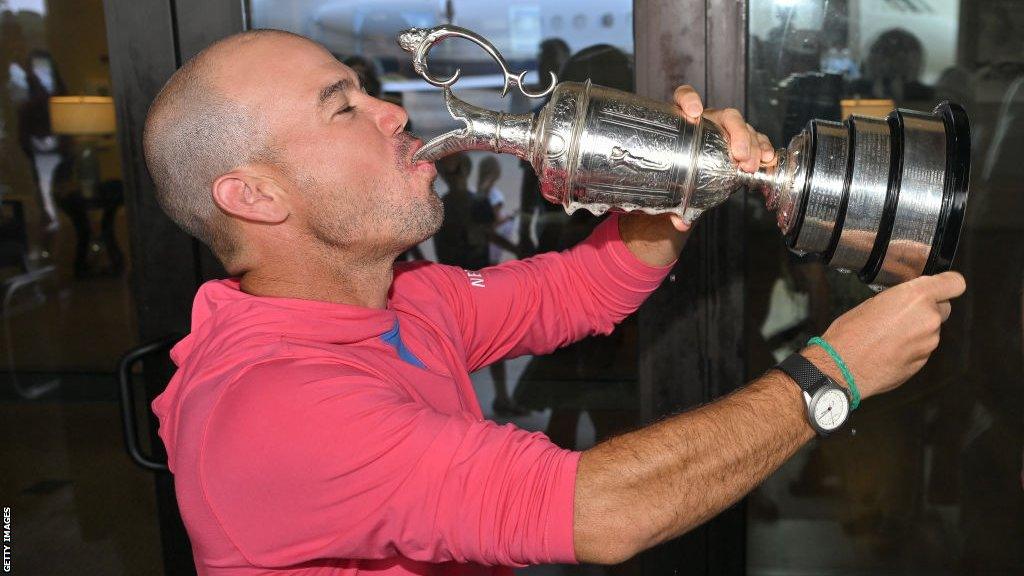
{"type": "Point", "coordinates": [802, 371]}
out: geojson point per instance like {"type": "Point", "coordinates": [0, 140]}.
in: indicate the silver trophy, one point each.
{"type": "Point", "coordinates": [881, 197]}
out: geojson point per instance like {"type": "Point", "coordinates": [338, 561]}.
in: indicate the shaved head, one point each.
{"type": "Point", "coordinates": [196, 132]}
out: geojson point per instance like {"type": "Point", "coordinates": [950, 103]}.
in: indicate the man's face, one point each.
{"type": "Point", "coordinates": [345, 157]}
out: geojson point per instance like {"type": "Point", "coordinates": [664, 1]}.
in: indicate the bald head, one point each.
{"type": "Point", "coordinates": [266, 148]}
{"type": "Point", "coordinates": [199, 128]}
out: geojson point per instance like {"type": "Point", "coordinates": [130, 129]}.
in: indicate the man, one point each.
{"type": "Point", "coordinates": [465, 239]}
{"type": "Point", "coordinates": [467, 228]}
{"type": "Point", "coordinates": [322, 419]}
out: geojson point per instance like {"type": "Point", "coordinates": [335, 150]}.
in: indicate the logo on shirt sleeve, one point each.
{"type": "Point", "coordinates": [476, 279]}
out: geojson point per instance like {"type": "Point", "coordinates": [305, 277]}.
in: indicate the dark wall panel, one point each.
{"type": "Point", "coordinates": [202, 22]}
{"type": "Point", "coordinates": [142, 57]}
{"type": "Point", "coordinates": [691, 329]}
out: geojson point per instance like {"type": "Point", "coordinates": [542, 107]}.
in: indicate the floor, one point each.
{"type": "Point", "coordinates": [78, 505]}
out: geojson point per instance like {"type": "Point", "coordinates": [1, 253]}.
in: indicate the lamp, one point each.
{"type": "Point", "coordinates": [88, 118]}
{"type": "Point", "coordinates": [82, 115]}
{"type": "Point", "coordinates": [867, 107]}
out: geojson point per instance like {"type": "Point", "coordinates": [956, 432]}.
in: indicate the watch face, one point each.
{"type": "Point", "coordinates": [830, 408]}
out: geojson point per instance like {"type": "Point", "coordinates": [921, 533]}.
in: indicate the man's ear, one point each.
{"type": "Point", "coordinates": [250, 197]}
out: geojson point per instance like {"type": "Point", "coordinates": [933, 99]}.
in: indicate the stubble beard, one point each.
{"type": "Point", "coordinates": [422, 220]}
{"type": "Point", "coordinates": [425, 220]}
{"type": "Point", "coordinates": [396, 224]}
{"type": "Point", "coordinates": [399, 223]}
{"type": "Point", "coordinates": [409, 220]}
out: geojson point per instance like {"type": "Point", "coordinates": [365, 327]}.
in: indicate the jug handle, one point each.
{"type": "Point", "coordinates": [419, 41]}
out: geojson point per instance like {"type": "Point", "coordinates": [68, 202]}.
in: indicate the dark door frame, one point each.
{"type": "Point", "coordinates": [691, 329]}
{"type": "Point", "coordinates": [143, 54]}
{"type": "Point", "coordinates": [147, 41]}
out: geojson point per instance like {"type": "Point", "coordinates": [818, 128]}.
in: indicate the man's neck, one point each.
{"type": "Point", "coordinates": [328, 277]}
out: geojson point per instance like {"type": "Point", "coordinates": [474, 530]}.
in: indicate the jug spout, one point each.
{"type": "Point", "coordinates": [484, 129]}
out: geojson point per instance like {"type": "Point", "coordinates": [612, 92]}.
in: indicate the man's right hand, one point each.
{"type": "Point", "coordinates": [888, 338]}
{"type": "Point", "coordinates": [647, 486]}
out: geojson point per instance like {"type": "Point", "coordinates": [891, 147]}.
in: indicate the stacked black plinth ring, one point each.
{"type": "Point", "coordinates": [956, 187]}
{"type": "Point", "coordinates": [885, 198]}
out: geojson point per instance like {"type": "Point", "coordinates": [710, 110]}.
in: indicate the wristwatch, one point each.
{"type": "Point", "coordinates": [828, 403]}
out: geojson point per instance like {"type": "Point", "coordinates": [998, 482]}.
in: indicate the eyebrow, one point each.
{"type": "Point", "coordinates": [328, 92]}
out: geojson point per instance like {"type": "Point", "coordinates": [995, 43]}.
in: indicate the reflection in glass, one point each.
{"type": "Point", "coordinates": [65, 308]}
{"type": "Point", "coordinates": [926, 479]}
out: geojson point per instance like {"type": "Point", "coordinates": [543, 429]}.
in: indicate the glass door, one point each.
{"type": "Point", "coordinates": [71, 499]}
{"type": "Point", "coordinates": [926, 479]}
{"type": "Point", "coordinates": [683, 348]}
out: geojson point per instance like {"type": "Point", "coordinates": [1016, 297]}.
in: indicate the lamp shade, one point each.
{"type": "Point", "coordinates": [82, 115]}
{"type": "Point", "coordinates": [867, 107]}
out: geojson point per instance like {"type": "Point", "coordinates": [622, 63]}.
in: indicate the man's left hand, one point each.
{"type": "Point", "coordinates": [748, 147]}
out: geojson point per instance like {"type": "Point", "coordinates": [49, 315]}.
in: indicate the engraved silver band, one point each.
{"type": "Point", "coordinates": [869, 183]}
{"type": "Point", "coordinates": [920, 199]}
{"type": "Point", "coordinates": [828, 179]}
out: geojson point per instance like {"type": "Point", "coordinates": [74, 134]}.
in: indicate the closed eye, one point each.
{"type": "Point", "coordinates": [346, 109]}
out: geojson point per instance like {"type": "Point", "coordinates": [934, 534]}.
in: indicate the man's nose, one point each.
{"type": "Point", "coordinates": [392, 118]}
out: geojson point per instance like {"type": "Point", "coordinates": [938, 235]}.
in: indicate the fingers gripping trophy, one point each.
{"type": "Point", "coordinates": [883, 198]}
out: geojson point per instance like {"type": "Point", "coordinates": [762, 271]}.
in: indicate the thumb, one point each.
{"type": "Point", "coordinates": [945, 286]}
{"type": "Point", "coordinates": [678, 223]}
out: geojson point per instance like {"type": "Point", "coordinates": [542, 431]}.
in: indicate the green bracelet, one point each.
{"type": "Point", "coordinates": [842, 368]}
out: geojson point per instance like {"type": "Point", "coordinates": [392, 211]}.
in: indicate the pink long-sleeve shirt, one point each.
{"type": "Point", "coordinates": [318, 438]}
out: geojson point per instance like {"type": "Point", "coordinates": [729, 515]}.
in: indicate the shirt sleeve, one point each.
{"type": "Point", "coordinates": [302, 463]}
{"type": "Point", "coordinates": [539, 304]}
